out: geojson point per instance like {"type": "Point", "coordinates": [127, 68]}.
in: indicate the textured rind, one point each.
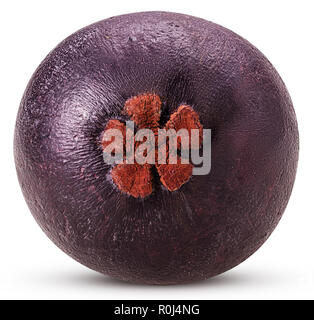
{"type": "Point", "coordinates": [213, 222]}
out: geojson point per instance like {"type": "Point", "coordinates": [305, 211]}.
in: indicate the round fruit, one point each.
{"type": "Point", "coordinates": [156, 223]}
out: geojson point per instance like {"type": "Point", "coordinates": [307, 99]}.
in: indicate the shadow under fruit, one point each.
{"type": "Point", "coordinates": [167, 233]}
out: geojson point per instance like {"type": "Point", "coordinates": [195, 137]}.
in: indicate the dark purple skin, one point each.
{"type": "Point", "coordinates": [213, 222]}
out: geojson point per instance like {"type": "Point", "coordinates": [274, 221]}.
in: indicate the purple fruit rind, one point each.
{"type": "Point", "coordinates": [213, 222]}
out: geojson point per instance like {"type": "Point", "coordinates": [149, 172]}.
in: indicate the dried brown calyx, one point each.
{"type": "Point", "coordinates": [136, 179]}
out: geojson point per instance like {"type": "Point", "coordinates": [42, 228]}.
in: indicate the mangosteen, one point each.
{"type": "Point", "coordinates": [156, 223]}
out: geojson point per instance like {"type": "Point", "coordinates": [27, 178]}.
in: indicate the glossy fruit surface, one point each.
{"type": "Point", "coordinates": [210, 223]}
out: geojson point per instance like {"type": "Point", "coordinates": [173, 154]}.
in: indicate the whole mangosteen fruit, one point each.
{"type": "Point", "coordinates": [156, 223]}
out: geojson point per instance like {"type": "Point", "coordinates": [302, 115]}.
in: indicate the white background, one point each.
{"type": "Point", "coordinates": [32, 267]}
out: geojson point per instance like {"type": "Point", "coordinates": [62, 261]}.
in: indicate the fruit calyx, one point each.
{"type": "Point", "coordinates": [136, 179]}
